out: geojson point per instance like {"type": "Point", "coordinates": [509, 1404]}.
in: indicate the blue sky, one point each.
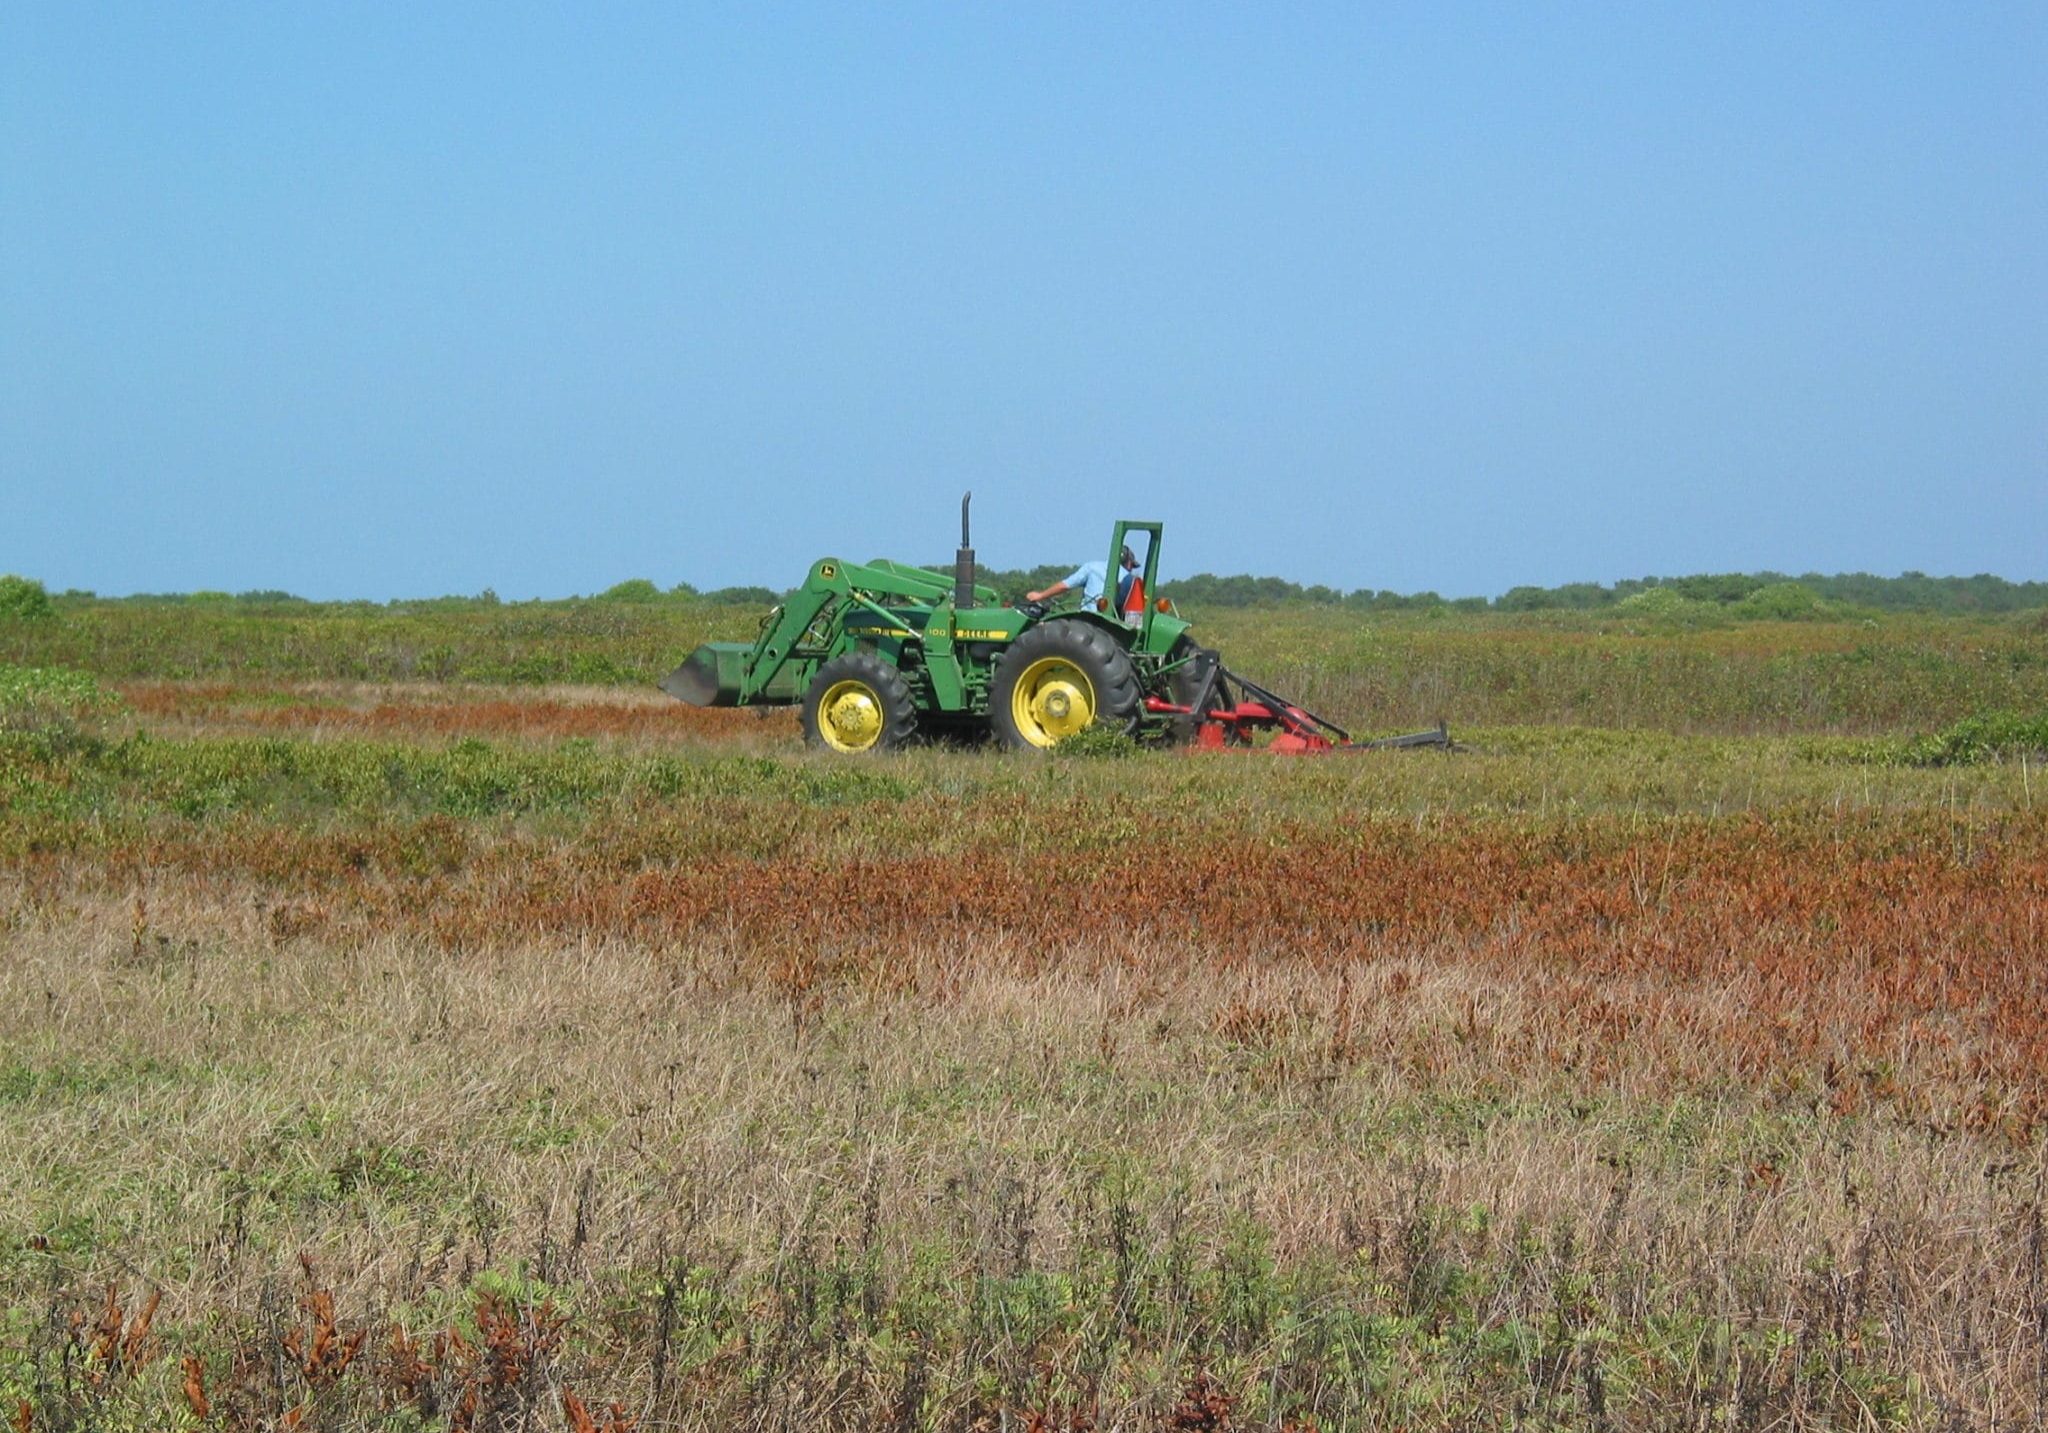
{"type": "Point", "coordinates": [395, 300]}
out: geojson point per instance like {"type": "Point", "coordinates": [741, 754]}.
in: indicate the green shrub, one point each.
{"type": "Point", "coordinates": [23, 599]}
{"type": "Point", "coordinates": [1987, 736]}
{"type": "Point", "coordinates": [1098, 742]}
{"type": "Point", "coordinates": [1784, 602]}
{"type": "Point", "coordinates": [744, 596]}
{"type": "Point", "coordinates": [1663, 604]}
{"type": "Point", "coordinates": [54, 688]}
{"type": "Point", "coordinates": [52, 709]}
{"type": "Point", "coordinates": [633, 589]}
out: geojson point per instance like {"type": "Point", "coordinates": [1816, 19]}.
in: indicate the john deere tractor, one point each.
{"type": "Point", "coordinates": [880, 653]}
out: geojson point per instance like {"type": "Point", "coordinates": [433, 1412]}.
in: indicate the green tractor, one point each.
{"type": "Point", "coordinates": [880, 653]}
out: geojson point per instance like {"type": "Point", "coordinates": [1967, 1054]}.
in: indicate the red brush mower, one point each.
{"type": "Point", "coordinates": [1218, 718]}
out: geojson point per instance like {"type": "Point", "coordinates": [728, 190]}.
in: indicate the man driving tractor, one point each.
{"type": "Point", "coordinates": [1091, 577]}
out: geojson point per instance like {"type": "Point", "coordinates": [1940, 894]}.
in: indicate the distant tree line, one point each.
{"type": "Point", "coordinates": [635, 590]}
{"type": "Point", "coordinates": [1753, 593]}
{"type": "Point", "coordinates": [1205, 589]}
{"type": "Point", "coordinates": [1908, 592]}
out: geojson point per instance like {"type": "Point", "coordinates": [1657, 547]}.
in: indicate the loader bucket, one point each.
{"type": "Point", "coordinates": [711, 676]}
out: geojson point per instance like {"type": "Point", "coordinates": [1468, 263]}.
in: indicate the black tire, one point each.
{"type": "Point", "coordinates": [1184, 685]}
{"type": "Point", "coordinates": [858, 703]}
{"type": "Point", "coordinates": [1052, 675]}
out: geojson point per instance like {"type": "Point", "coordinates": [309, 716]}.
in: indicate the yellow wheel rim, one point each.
{"type": "Point", "coordinates": [850, 716]}
{"type": "Point", "coordinates": [1052, 700]}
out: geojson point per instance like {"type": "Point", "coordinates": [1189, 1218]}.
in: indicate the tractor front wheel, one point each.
{"type": "Point", "coordinates": [1059, 679]}
{"type": "Point", "coordinates": [858, 703]}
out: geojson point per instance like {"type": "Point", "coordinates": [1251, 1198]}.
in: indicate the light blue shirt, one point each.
{"type": "Point", "coordinates": [1089, 577]}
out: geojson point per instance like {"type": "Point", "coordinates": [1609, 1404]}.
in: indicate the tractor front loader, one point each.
{"type": "Point", "coordinates": [880, 653]}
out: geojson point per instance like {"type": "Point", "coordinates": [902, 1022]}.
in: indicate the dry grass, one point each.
{"type": "Point", "coordinates": [432, 712]}
{"type": "Point", "coordinates": [597, 1125]}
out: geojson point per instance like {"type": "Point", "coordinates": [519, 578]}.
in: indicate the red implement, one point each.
{"type": "Point", "coordinates": [1297, 731]}
{"type": "Point", "coordinates": [1225, 728]}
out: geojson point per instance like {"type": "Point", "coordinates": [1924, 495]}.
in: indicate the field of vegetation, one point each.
{"type": "Point", "coordinates": [408, 1020]}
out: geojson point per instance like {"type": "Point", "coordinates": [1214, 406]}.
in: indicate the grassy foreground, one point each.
{"type": "Point", "coordinates": [469, 1057]}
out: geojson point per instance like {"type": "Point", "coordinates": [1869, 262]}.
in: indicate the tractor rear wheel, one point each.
{"type": "Point", "coordinates": [1059, 679]}
{"type": "Point", "coordinates": [858, 703]}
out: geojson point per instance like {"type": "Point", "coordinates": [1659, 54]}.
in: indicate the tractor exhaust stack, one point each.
{"type": "Point", "coordinates": [963, 562]}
